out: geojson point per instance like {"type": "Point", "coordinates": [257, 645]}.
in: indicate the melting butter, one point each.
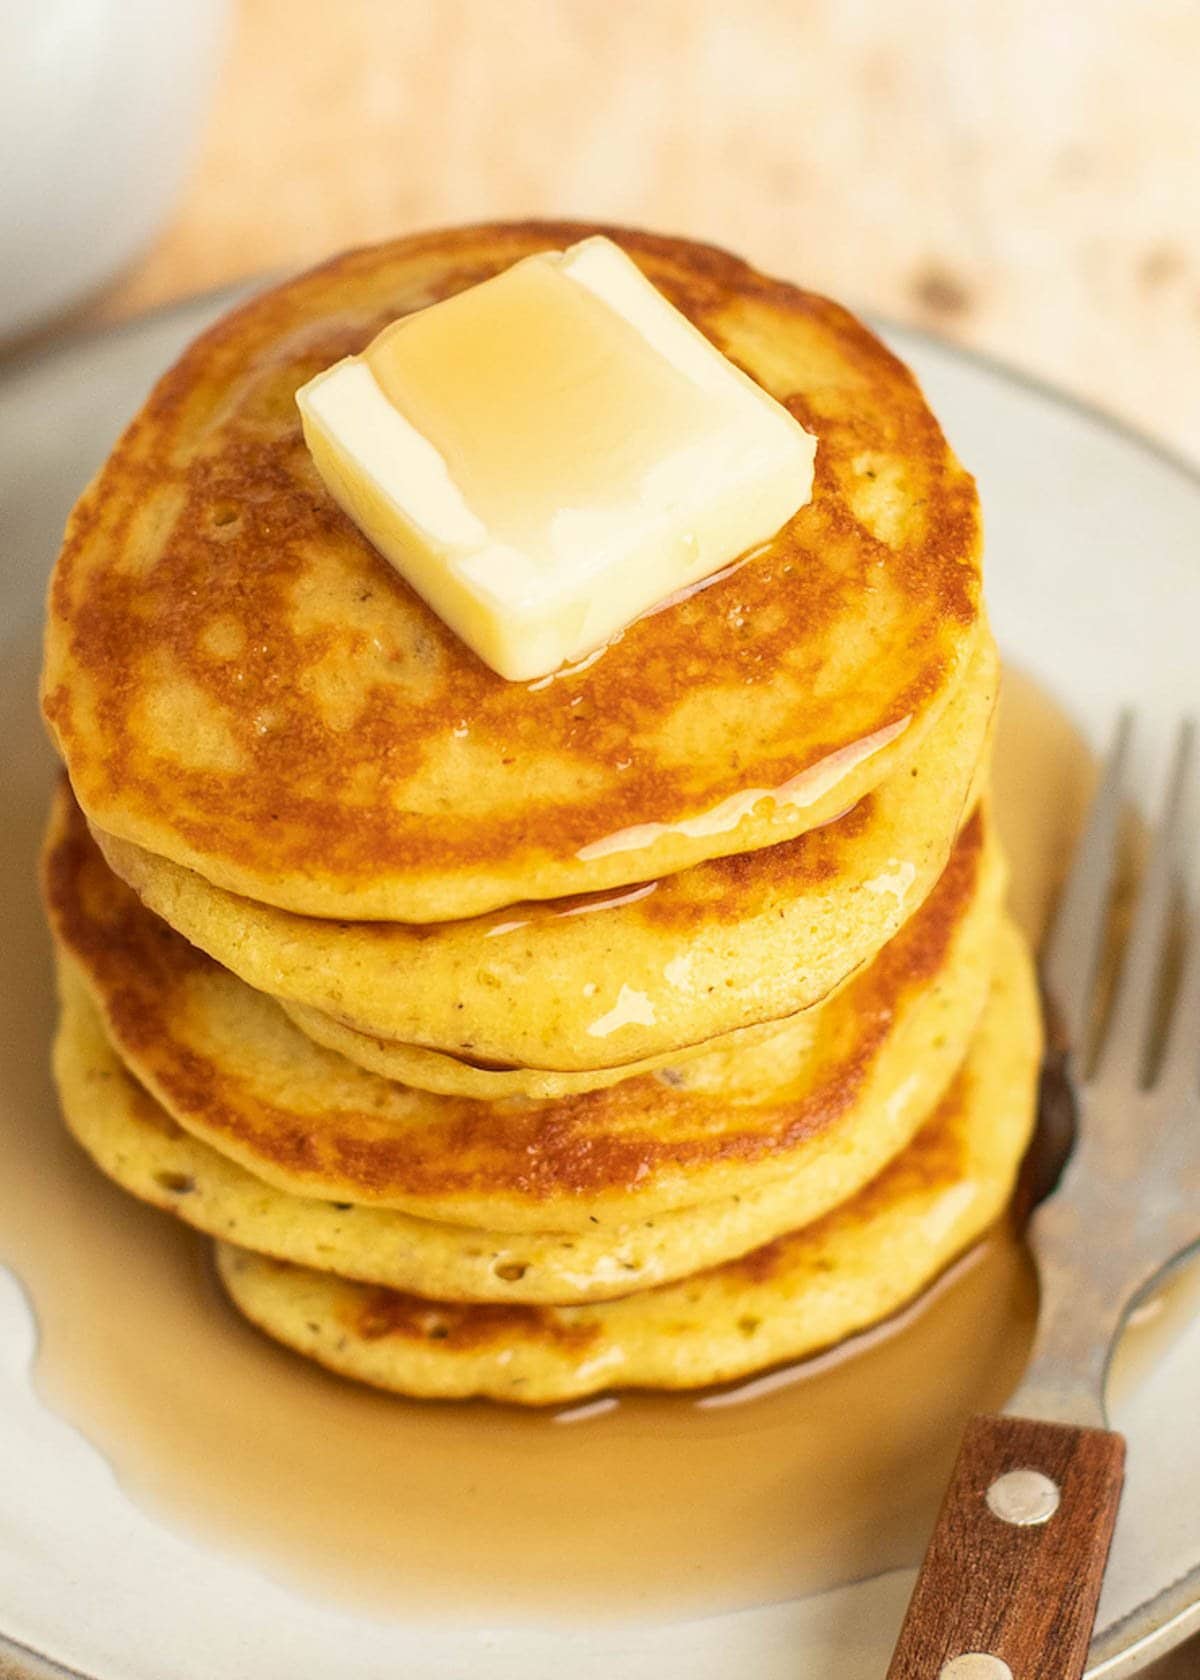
{"type": "Point", "coordinates": [548, 455]}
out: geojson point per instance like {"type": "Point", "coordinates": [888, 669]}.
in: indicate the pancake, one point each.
{"type": "Point", "coordinates": [800, 1293]}
{"type": "Point", "coordinates": [434, 1071]}
{"type": "Point", "coordinates": [239, 683]}
{"type": "Point", "coordinates": [228, 1066]}
{"type": "Point", "coordinates": [593, 985]}
{"type": "Point", "coordinates": [133, 1140]}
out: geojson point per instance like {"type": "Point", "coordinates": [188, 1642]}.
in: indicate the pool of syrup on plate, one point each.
{"type": "Point", "coordinates": [633, 1505]}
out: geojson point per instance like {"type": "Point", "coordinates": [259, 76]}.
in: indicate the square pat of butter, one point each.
{"type": "Point", "coordinates": [549, 454]}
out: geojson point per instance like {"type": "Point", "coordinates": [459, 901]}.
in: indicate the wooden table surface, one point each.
{"type": "Point", "coordinates": [1023, 178]}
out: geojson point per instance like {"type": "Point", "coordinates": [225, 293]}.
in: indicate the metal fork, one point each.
{"type": "Point", "coordinates": [1009, 1586]}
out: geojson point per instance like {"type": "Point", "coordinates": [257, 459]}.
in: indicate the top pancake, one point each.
{"type": "Point", "coordinates": [238, 682]}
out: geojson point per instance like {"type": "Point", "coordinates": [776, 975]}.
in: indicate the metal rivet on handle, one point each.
{"type": "Point", "coordinates": [976, 1665]}
{"type": "Point", "coordinates": [1024, 1498]}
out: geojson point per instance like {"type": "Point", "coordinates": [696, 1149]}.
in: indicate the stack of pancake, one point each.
{"type": "Point", "coordinates": [645, 1025]}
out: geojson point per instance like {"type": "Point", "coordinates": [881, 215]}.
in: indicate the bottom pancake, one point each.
{"type": "Point", "coordinates": [804, 1291]}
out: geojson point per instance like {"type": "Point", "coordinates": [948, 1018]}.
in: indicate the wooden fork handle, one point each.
{"type": "Point", "coordinates": [1012, 1576]}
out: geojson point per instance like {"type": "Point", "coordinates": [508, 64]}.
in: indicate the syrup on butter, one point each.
{"type": "Point", "coordinates": [552, 453]}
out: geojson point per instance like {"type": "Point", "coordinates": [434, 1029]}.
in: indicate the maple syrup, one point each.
{"type": "Point", "coordinates": [625, 1506]}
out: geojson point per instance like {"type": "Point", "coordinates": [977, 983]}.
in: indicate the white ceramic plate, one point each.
{"type": "Point", "coordinates": [1094, 580]}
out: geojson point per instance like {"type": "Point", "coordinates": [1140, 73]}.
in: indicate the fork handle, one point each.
{"type": "Point", "coordinates": [1009, 1585]}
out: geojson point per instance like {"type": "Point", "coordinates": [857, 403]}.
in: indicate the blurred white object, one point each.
{"type": "Point", "coordinates": [101, 103]}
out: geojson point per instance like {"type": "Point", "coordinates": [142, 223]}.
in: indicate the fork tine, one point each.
{"type": "Point", "coordinates": [1135, 1004]}
{"type": "Point", "coordinates": [1180, 1070]}
{"type": "Point", "coordinates": [1072, 952]}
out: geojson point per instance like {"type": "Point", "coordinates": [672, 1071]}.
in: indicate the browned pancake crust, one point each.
{"type": "Point", "coordinates": [935, 1158]}
{"type": "Point", "coordinates": [207, 550]}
